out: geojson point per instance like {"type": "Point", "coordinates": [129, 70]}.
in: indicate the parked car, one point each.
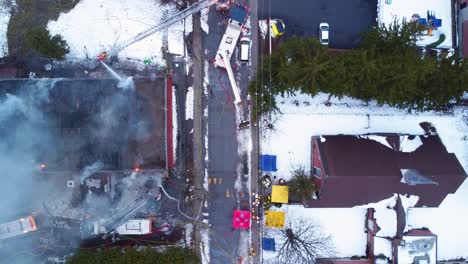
{"type": "Point", "coordinates": [277, 28]}
{"type": "Point", "coordinates": [324, 30]}
{"type": "Point", "coordinates": [244, 49]}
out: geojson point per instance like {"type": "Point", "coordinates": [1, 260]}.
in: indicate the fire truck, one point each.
{"type": "Point", "coordinates": [18, 227]}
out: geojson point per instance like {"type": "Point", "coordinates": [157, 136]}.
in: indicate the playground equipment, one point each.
{"type": "Point", "coordinates": [430, 23]}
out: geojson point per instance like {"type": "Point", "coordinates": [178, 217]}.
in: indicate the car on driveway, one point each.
{"type": "Point", "coordinates": [324, 33]}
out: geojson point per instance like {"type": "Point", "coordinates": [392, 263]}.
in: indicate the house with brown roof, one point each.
{"type": "Point", "coordinates": [357, 170]}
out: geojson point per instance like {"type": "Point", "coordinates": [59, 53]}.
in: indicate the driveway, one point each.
{"type": "Point", "coordinates": [347, 18]}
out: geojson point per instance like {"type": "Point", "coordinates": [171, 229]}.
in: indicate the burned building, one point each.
{"type": "Point", "coordinates": [79, 122]}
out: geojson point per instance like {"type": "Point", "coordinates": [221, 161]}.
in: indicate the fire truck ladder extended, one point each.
{"type": "Point", "coordinates": [119, 218]}
{"type": "Point", "coordinates": [235, 89]}
{"type": "Point", "coordinates": [166, 23]}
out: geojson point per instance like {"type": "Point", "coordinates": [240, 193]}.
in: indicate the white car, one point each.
{"type": "Point", "coordinates": [244, 49]}
{"type": "Point", "coordinates": [324, 30]}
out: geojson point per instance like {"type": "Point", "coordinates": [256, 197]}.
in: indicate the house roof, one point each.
{"type": "Point", "coordinates": [360, 171]}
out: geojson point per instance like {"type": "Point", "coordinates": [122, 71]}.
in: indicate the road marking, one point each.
{"type": "Point", "coordinates": [220, 180]}
{"type": "Point", "coordinates": [214, 180]}
{"type": "Point", "coordinates": [228, 194]}
{"type": "Point", "coordinates": [209, 180]}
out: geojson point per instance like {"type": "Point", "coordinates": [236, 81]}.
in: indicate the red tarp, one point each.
{"type": "Point", "coordinates": [241, 219]}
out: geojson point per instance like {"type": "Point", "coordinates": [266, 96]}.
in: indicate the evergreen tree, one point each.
{"type": "Point", "coordinates": [51, 46]}
{"type": "Point", "coordinates": [301, 187]}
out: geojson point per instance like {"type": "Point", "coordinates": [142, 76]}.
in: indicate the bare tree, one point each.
{"type": "Point", "coordinates": [302, 242]}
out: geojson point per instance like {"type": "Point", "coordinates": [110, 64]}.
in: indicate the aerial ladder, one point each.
{"type": "Point", "coordinates": [152, 30]}
{"type": "Point", "coordinates": [118, 218]}
{"type": "Point", "coordinates": [227, 64]}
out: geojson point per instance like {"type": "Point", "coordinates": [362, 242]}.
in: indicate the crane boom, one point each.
{"type": "Point", "coordinates": [166, 23]}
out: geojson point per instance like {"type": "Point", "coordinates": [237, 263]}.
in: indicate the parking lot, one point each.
{"type": "Point", "coordinates": [347, 19]}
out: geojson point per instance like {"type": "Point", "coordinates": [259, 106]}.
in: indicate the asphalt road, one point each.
{"type": "Point", "coordinates": [226, 243]}
{"type": "Point", "coordinates": [347, 19]}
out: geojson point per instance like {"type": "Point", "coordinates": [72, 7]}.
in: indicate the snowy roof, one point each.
{"type": "Point", "coordinates": [383, 247]}
{"type": "Point", "coordinates": [418, 249]}
{"type": "Point", "coordinates": [360, 170]}
{"type": "Point", "coordinates": [406, 9]}
{"type": "Point", "coordinates": [387, 222]}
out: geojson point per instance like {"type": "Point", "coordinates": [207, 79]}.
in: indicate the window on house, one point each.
{"type": "Point", "coordinates": [317, 172]}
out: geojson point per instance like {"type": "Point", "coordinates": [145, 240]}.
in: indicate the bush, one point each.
{"type": "Point", "coordinates": [173, 255]}
{"type": "Point", "coordinates": [51, 46]}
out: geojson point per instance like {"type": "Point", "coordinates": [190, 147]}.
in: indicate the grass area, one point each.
{"type": "Point", "coordinates": [29, 14]}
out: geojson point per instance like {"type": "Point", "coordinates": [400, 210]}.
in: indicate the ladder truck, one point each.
{"type": "Point", "coordinates": [228, 43]}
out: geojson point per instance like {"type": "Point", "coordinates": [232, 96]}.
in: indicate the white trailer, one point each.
{"type": "Point", "coordinates": [17, 227]}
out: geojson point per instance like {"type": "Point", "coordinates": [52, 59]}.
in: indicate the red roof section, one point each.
{"type": "Point", "coordinates": [361, 171]}
{"type": "Point", "coordinates": [419, 232]}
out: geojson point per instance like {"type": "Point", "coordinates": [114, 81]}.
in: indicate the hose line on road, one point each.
{"type": "Point", "coordinates": [178, 206]}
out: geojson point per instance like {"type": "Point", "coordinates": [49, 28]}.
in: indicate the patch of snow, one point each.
{"type": "Point", "coordinates": [204, 20]}
{"type": "Point", "coordinates": [205, 247]}
{"type": "Point", "coordinates": [405, 9]}
{"type": "Point", "coordinates": [383, 247]}
{"type": "Point", "coordinates": [176, 37]}
{"type": "Point", "coordinates": [387, 221]}
{"type": "Point", "coordinates": [380, 139]}
{"type": "Point", "coordinates": [205, 116]}
{"type": "Point", "coordinates": [331, 223]}
{"type": "Point", "coordinates": [107, 23]}
{"type": "Point", "coordinates": [409, 145]}
{"type": "Point", "coordinates": [5, 15]}
{"type": "Point", "coordinates": [189, 104]}
{"type": "Point", "coordinates": [408, 201]}
{"type": "Point", "coordinates": [188, 234]}
{"type": "Point", "coordinates": [387, 203]}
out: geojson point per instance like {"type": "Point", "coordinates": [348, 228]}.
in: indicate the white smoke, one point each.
{"type": "Point", "coordinates": [90, 170]}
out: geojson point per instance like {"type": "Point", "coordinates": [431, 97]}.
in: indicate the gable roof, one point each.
{"type": "Point", "coordinates": [361, 171]}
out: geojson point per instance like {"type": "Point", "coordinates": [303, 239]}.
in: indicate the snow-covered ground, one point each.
{"type": "Point", "coordinates": [290, 140]}
{"type": "Point", "coordinates": [94, 26]}
{"type": "Point", "coordinates": [4, 20]}
{"type": "Point", "coordinates": [341, 224]}
{"type": "Point", "coordinates": [383, 246]}
{"type": "Point", "coordinates": [189, 104]}
{"type": "Point", "coordinates": [176, 35]}
{"type": "Point", "coordinates": [405, 9]}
